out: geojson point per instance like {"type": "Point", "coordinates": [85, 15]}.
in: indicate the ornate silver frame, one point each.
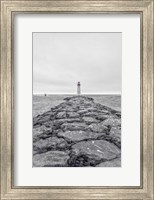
{"type": "Point", "coordinates": [8, 10]}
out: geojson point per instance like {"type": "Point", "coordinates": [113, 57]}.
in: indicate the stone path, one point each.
{"type": "Point", "coordinates": [77, 133]}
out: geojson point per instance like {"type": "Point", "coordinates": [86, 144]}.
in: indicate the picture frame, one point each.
{"type": "Point", "coordinates": [8, 11]}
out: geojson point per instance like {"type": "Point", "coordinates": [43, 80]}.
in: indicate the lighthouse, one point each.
{"type": "Point", "coordinates": [78, 88]}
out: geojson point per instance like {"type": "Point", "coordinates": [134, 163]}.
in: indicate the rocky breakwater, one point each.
{"type": "Point", "coordinates": [77, 133]}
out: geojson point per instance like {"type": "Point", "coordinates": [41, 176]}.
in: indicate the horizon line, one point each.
{"type": "Point", "coordinates": [76, 94]}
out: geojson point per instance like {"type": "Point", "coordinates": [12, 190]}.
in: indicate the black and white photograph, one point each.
{"type": "Point", "coordinates": [77, 88]}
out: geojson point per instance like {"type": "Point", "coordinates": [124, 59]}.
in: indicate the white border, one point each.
{"type": "Point", "coordinates": [129, 173]}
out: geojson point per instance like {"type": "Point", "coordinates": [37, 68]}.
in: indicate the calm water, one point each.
{"type": "Point", "coordinates": [43, 103]}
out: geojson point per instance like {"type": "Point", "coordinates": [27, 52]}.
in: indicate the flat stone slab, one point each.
{"type": "Point", "coordinates": [112, 163]}
{"type": "Point", "coordinates": [40, 131]}
{"type": "Point", "coordinates": [90, 114]}
{"type": "Point", "coordinates": [112, 122]}
{"type": "Point", "coordinates": [50, 143]}
{"type": "Point", "coordinates": [73, 126]}
{"type": "Point", "coordinates": [40, 119]}
{"type": "Point", "coordinates": [102, 116]}
{"type": "Point", "coordinates": [58, 122]}
{"type": "Point", "coordinates": [99, 128]}
{"type": "Point", "coordinates": [115, 131]}
{"type": "Point", "coordinates": [93, 152]}
{"type": "Point", "coordinates": [51, 159]}
{"type": "Point", "coordinates": [61, 115]}
{"type": "Point", "coordinates": [76, 136]}
{"type": "Point", "coordinates": [90, 120]}
{"type": "Point", "coordinates": [82, 111]}
{"type": "Point", "coordinates": [72, 114]}
{"type": "Point", "coordinates": [115, 134]}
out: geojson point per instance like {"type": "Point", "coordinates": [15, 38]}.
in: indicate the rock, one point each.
{"type": "Point", "coordinates": [115, 131]}
{"type": "Point", "coordinates": [112, 122]}
{"type": "Point", "coordinates": [82, 111]}
{"type": "Point", "coordinates": [112, 163]}
{"type": "Point", "coordinates": [105, 112]}
{"type": "Point", "coordinates": [90, 114]}
{"type": "Point", "coordinates": [41, 119]}
{"type": "Point", "coordinates": [75, 136]}
{"type": "Point", "coordinates": [46, 135]}
{"type": "Point", "coordinates": [118, 114]}
{"type": "Point", "coordinates": [48, 124]}
{"type": "Point", "coordinates": [61, 115]}
{"type": "Point", "coordinates": [48, 144]}
{"type": "Point", "coordinates": [51, 159]}
{"type": "Point", "coordinates": [102, 108]}
{"type": "Point", "coordinates": [39, 131]}
{"type": "Point", "coordinates": [69, 109]}
{"type": "Point", "coordinates": [79, 98]}
{"type": "Point", "coordinates": [59, 107]}
{"type": "Point", "coordinates": [101, 117]}
{"type": "Point", "coordinates": [99, 128]}
{"type": "Point", "coordinates": [59, 122]}
{"type": "Point", "coordinates": [91, 109]}
{"type": "Point", "coordinates": [115, 134]}
{"type": "Point", "coordinates": [74, 126]}
{"type": "Point", "coordinates": [90, 120]}
{"type": "Point", "coordinates": [92, 152]}
{"type": "Point", "coordinates": [73, 114]}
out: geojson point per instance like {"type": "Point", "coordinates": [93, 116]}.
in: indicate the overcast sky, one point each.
{"type": "Point", "coordinates": [60, 60]}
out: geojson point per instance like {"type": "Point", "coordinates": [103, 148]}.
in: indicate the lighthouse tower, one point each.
{"type": "Point", "coordinates": [78, 88]}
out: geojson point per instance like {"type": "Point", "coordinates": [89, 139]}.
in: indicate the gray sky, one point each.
{"type": "Point", "coordinates": [60, 60]}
